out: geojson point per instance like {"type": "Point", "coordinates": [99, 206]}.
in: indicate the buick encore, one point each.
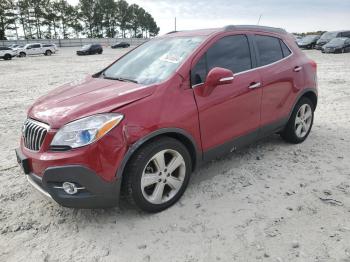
{"type": "Point", "coordinates": [142, 125]}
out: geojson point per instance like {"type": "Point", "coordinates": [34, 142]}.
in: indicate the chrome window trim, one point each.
{"type": "Point", "coordinates": [259, 67]}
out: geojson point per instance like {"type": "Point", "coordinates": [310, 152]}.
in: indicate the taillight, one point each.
{"type": "Point", "coordinates": [313, 64]}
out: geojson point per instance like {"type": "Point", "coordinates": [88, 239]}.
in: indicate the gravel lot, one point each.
{"type": "Point", "coordinates": [269, 202]}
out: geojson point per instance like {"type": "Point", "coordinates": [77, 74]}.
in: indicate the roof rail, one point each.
{"type": "Point", "coordinates": [255, 27]}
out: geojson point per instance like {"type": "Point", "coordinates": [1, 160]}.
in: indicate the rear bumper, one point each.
{"type": "Point", "coordinates": [94, 192]}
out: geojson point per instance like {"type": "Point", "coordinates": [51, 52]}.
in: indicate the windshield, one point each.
{"type": "Point", "coordinates": [328, 35]}
{"type": "Point", "coordinates": [85, 47]}
{"type": "Point", "coordinates": [153, 61]}
{"type": "Point", "coordinates": [337, 41]}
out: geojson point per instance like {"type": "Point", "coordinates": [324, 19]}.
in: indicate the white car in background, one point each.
{"type": "Point", "coordinates": [36, 49]}
{"type": "Point", "coordinates": [7, 53]}
{"type": "Point", "coordinates": [15, 47]}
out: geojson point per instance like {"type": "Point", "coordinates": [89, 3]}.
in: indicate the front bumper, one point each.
{"type": "Point", "coordinates": [95, 192]}
{"type": "Point", "coordinates": [319, 47]}
{"type": "Point", "coordinates": [331, 50]}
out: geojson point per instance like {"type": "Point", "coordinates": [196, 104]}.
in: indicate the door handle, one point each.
{"type": "Point", "coordinates": [298, 68]}
{"type": "Point", "coordinates": [254, 85]}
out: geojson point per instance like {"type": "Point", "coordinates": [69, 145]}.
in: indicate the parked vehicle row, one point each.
{"type": "Point", "coordinates": [13, 50]}
{"type": "Point", "coordinates": [329, 42]}
{"type": "Point", "coordinates": [92, 49]}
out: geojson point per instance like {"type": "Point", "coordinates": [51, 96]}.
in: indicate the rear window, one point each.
{"type": "Point", "coordinates": [4, 48]}
{"type": "Point", "coordinates": [285, 50]}
{"type": "Point", "coordinates": [269, 49]}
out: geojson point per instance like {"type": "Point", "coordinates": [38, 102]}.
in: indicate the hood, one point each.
{"type": "Point", "coordinates": [85, 97]}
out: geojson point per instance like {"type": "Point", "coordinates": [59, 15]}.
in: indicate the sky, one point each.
{"type": "Point", "coordinates": [292, 15]}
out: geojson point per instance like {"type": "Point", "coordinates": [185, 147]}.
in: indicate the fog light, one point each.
{"type": "Point", "coordinates": [69, 188]}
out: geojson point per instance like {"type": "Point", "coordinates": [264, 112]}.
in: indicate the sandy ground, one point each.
{"type": "Point", "coordinates": [269, 202]}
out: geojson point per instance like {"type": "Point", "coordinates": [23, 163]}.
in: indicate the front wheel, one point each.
{"type": "Point", "coordinates": [48, 53]}
{"type": "Point", "coordinates": [158, 174]}
{"type": "Point", "coordinates": [22, 54]}
{"type": "Point", "coordinates": [300, 123]}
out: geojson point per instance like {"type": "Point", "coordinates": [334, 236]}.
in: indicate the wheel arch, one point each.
{"type": "Point", "coordinates": [312, 96]}
{"type": "Point", "coordinates": [310, 93]}
{"type": "Point", "coordinates": [179, 134]}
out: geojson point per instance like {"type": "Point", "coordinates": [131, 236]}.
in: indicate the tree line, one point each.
{"type": "Point", "coordinates": [53, 19]}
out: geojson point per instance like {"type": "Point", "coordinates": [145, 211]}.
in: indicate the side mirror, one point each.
{"type": "Point", "coordinates": [216, 77]}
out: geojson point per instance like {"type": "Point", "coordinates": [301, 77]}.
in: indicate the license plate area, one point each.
{"type": "Point", "coordinates": [23, 161]}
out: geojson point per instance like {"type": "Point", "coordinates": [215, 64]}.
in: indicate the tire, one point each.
{"type": "Point", "coordinates": [100, 52]}
{"type": "Point", "coordinates": [22, 54]}
{"type": "Point", "coordinates": [7, 57]}
{"type": "Point", "coordinates": [48, 53]}
{"type": "Point", "coordinates": [145, 175]}
{"type": "Point", "coordinates": [300, 123]}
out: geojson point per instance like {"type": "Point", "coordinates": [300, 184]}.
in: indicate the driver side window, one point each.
{"type": "Point", "coordinates": [230, 52]}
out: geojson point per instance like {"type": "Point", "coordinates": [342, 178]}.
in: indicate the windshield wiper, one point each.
{"type": "Point", "coordinates": [119, 78]}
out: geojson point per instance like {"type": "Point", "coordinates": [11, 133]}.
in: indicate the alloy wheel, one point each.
{"type": "Point", "coordinates": [163, 176]}
{"type": "Point", "coordinates": [303, 121]}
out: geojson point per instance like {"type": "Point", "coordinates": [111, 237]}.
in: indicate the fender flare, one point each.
{"type": "Point", "coordinates": [302, 93]}
{"type": "Point", "coordinates": [163, 131]}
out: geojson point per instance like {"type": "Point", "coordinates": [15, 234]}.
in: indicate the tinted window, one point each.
{"type": "Point", "coordinates": [35, 46]}
{"type": "Point", "coordinates": [269, 49]}
{"type": "Point", "coordinates": [285, 49]}
{"type": "Point", "coordinates": [231, 52]}
{"type": "Point", "coordinates": [345, 34]}
{"type": "Point", "coordinates": [4, 48]}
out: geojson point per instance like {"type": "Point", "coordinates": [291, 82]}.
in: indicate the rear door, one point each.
{"type": "Point", "coordinates": [37, 49]}
{"type": "Point", "coordinates": [281, 76]}
{"type": "Point", "coordinates": [231, 110]}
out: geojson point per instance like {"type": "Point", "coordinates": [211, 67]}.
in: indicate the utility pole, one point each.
{"type": "Point", "coordinates": [175, 23]}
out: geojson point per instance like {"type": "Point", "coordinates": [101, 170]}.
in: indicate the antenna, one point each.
{"type": "Point", "coordinates": [175, 24]}
{"type": "Point", "coordinates": [259, 19]}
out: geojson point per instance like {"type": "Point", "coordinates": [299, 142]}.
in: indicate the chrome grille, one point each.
{"type": "Point", "coordinates": [34, 133]}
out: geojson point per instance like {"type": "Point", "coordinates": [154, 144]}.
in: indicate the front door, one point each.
{"type": "Point", "coordinates": [231, 111]}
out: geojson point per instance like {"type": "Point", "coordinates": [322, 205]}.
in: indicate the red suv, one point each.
{"type": "Point", "coordinates": [143, 124]}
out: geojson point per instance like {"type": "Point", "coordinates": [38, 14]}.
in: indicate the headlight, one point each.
{"type": "Point", "coordinates": [86, 130]}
